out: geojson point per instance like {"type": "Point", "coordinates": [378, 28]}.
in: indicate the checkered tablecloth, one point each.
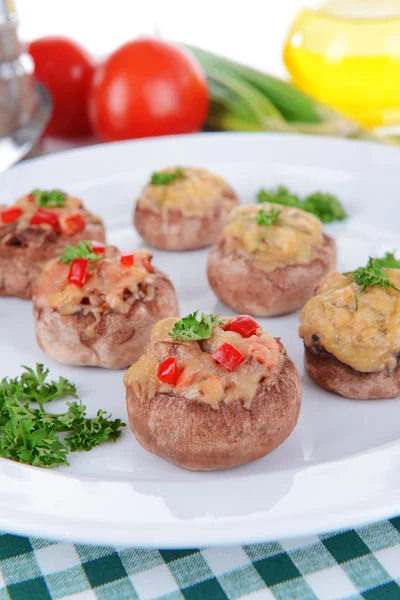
{"type": "Point", "coordinates": [351, 565]}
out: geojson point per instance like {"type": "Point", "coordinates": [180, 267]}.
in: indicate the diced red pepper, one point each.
{"type": "Point", "coordinates": [168, 371]}
{"type": "Point", "coordinates": [74, 224]}
{"type": "Point", "coordinates": [244, 325]}
{"type": "Point", "coordinates": [127, 259]}
{"type": "Point", "coordinates": [48, 217]}
{"type": "Point", "coordinates": [228, 356]}
{"type": "Point", "coordinates": [78, 271]}
{"type": "Point", "coordinates": [11, 214]}
{"type": "Point", "coordinates": [146, 261]}
{"type": "Point", "coordinates": [98, 247]}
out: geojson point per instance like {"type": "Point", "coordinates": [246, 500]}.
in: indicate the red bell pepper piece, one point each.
{"type": "Point", "coordinates": [11, 214]}
{"type": "Point", "coordinates": [48, 217]}
{"type": "Point", "coordinates": [74, 224]}
{"type": "Point", "coordinates": [127, 259]}
{"type": "Point", "coordinates": [98, 248]}
{"type": "Point", "coordinates": [228, 356]}
{"type": "Point", "coordinates": [244, 325]}
{"type": "Point", "coordinates": [78, 271]}
{"type": "Point", "coordinates": [168, 371]}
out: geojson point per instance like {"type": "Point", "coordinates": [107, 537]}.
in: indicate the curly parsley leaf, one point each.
{"type": "Point", "coordinates": [34, 386]}
{"type": "Point", "coordinates": [88, 433]}
{"type": "Point", "coordinates": [372, 275]}
{"type": "Point", "coordinates": [46, 198]}
{"type": "Point", "coordinates": [389, 261]}
{"type": "Point", "coordinates": [267, 219]}
{"type": "Point", "coordinates": [166, 177]}
{"type": "Point", "coordinates": [189, 328]}
{"type": "Point", "coordinates": [82, 250]}
{"type": "Point", "coordinates": [279, 196]}
{"type": "Point", "coordinates": [324, 206]}
{"type": "Point", "coordinates": [31, 435]}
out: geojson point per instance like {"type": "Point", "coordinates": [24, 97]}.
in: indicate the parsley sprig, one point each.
{"type": "Point", "coordinates": [271, 218]}
{"type": "Point", "coordinates": [46, 198]}
{"type": "Point", "coordinates": [324, 206]}
{"type": "Point", "coordinates": [82, 250]}
{"type": "Point", "coordinates": [189, 328]}
{"type": "Point", "coordinates": [389, 261]}
{"type": "Point", "coordinates": [31, 435]}
{"type": "Point", "coordinates": [372, 275]}
{"type": "Point", "coordinates": [166, 177]}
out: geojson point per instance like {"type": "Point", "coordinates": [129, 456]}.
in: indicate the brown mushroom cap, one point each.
{"type": "Point", "coordinates": [175, 231]}
{"type": "Point", "coordinates": [247, 288]}
{"type": "Point", "coordinates": [195, 436]}
{"type": "Point", "coordinates": [333, 375]}
{"type": "Point", "coordinates": [21, 265]}
{"type": "Point", "coordinates": [115, 340]}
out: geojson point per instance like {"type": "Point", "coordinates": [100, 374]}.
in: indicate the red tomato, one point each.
{"type": "Point", "coordinates": [43, 216]}
{"type": "Point", "coordinates": [98, 247]}
{"type": "Point", "coordinates": [244, 325]}
{"type": "Point", "coordinates": [168, 371]}
{"type": "Point", "coordinates": [78, 271]}
{"type": "Point", "coordinates": [127, 259]}
{"type": "Point", "coordinates": [66, 70]}
{"type": "Point", "coordinates": [10, 214]}
{"type": "Point", "coordinates": [229, 356]}
{"type": "Point", "coordinates": [146, 88]}
{"type": "Point", "coordinates": [74, 224]}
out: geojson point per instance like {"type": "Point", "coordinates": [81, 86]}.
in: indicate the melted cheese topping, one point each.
{"type": "Point", "coordinates": [201, 378]}
{"type": "Point", "coordinates": [290, 242]}
{"type": "Point", "coordinates": [72, 206]}
{"type": "Point", "coordinates": [194, 194]}
{"type": "Point", "coordinates": [367, 339]}
{"type": "Point", "coordinates": [109, 285]}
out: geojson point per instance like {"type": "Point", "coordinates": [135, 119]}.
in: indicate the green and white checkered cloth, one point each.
{"type": "Point", "coordinates": [351, 565]}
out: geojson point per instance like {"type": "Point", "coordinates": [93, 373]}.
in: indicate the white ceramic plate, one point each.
{"type": "Point", "coordinates": [340, 467]}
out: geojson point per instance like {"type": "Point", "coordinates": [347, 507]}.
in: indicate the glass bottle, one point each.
{"type": "Point", "coordinates": [346, 54]}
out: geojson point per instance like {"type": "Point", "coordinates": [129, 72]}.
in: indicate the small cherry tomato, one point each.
{"type": "Point", "coordinates": [127, 259]}
{"type": "Point", "coordinates": [98, 247]}
{"type": "Point", "coordinates": [43, 216]}
{"type": "Point", "coordinates": [78, 271]}
{"type": "Point", "coordinates": [244, 325]}
{"type": "Point", "coordinates": [66, 69]}
{"type": "Point", "coordinates": [74, 224]}
{"type": "Point", "coordinates": [228, 356]}
{"type": "Point", "coordinates": [11, 214]}
{"type": "Point", "coordinates": [168, 371]}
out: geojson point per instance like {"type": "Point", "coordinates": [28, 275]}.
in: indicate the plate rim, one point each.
{"type": "Point", "coordinates": [181, 534]}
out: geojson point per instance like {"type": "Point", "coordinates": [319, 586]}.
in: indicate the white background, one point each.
{"type": "Point", "coordinates": [252, 31]}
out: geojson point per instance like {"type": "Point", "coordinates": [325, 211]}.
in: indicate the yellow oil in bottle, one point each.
{"type": "Point", "coordinates": [346, 54]}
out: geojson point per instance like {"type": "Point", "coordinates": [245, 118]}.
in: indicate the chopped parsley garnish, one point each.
{"type": "Point", "coordinates": [49, 198]}
{"type": "Point", "coordinates": [30, 435]}
{"type": "Point", "coordinates": [267, 219]}
{"type": "Point", "coordinates": [165, 177]}
{"type": "Point", "coordinates": [324, 206]}
{"type": "Point", "coordinates": [372, 275]}
{"type": "Point", "coordinates": [189, 328]}
{"type": "Point", "coordinates": [82, 250]}
{"type": "Point", "coordinates": [389, 261]}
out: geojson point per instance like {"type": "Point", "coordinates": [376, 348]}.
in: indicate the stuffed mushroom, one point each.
{"type": "Point", "coordinates": [212, 394]}
{"type": "Point", "coordinates": [37, 228]}
{"type": "Point", "coordinates": [351, 333]}
{"type": "Point", "coordinates": [268, 261]}
{"type": "Point", "coordinates": [95, 306]}
{"type": "Point", "coordinates": [183, 208]}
